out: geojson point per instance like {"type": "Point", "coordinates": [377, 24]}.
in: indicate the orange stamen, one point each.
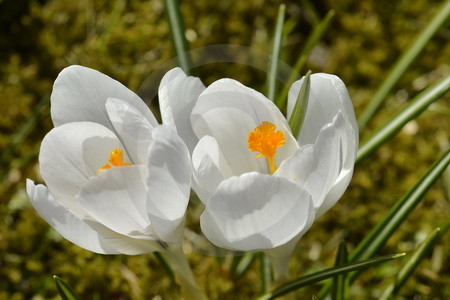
{"type": "Point", "coordinates": [265, 139]}
{"type": "Point", "coordinates": [115, 160]}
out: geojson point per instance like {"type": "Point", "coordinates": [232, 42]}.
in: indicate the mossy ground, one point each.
{"type": "Point", "coordinates": [129, 41]}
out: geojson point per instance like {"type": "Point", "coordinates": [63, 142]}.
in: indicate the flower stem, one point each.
{"type": "Point", "coordinates": [183, 273]}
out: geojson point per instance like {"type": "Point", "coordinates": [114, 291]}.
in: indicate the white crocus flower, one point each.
{"type": "Point", "coordinates": [261, 186]}
{"type": "Point", "coordinates": [117, 181]}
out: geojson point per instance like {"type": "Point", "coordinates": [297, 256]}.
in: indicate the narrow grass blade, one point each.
{"type": "Point", "coordinates": [312, 11]}
{"type": "Point", "coordinates": [384, 229]}
{"type": "Point", "coordinates": [411, 265]}
{"type": "Point", "coordinates": [180, 43]}
{"type": "Point", "coordinates": [64, 290]}
{"type": "Point", "coordinates": [266, 272]}
{"type": "Point", "coordinates": [404, 62]}
{"type": "Point", "coordinates": [165, 264]}
{"type": "Point", "coordinates": [338, 290]}
{"type": "Point", "coordinates": [242, 263]}
{"type": "Point", "coordinates": [327, 273]}
{"type": "Point", "coordinates": [300, 107]}
{"type": "Point", "coordinates": [276, 50]}
{"type": "Point", "coordinates": [411, 111]}
{"type": "Point", "coordinates": [311, 42]}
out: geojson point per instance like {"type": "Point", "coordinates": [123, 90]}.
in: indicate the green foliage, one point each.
{"type": "Point", "coordinates": [129, 40]}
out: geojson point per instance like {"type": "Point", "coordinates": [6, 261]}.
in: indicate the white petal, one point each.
{"type": "Point", "coordinates": [256, 211]}
{"type": "Point", "coordinates": [316, 167]}
{"type": "Point", "coordinates": [66, 223]}
{"type": "Point", "coordinates": [328, 95]}
{"type": "Point", "coordinates": [210, 167]}
{"type": "Point", "coordinates": [117, 199]}
{"type": "Point", "coordinates": [132, 128]}
{"type": "Point", "coordinates": [125, 244]}
{"type": "Point", "coordinates": [70, 154]}
{"type": "Point", "coordinates": [177, 95]}
{"type": "Point", "coordinates": [79, 94]}
{"type": "Point", "coordinates": [229, 111]}
{"type": "Point", "coordinates": [169, 183]}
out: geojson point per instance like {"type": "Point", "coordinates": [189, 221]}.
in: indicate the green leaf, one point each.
{"type": "Point", "coordinates": [339, 282]}
{"type": "Point", "coordinates": [398, 213]}
{"type": "Point", "coordinates": [300, 107]}
{"type": "Point", "coordinates": [325, 274]}
{"type": "Point", "coordinates": [411, 111]}
{"type": "Point", "coordinates": [404, 62]}
{"type": "Point", "coordinates": [64, 290]}
{"type": "Point", "coordinates": [276, 50]}
{"type": "Point", "coordinates": [411, 265]}
{"type": "Point", "coordinates": [180, 43]}
{"type": "Point", "coordinates": [311, 42]}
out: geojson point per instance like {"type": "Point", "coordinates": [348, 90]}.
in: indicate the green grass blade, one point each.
{"type": "Point", "coordinates": [265, 272]}
{"type": "Point", "coordinates": [384, 229]}
{"type": "Point", "coordinates": [404, 62]}
{"type": "Point", "coordinates": [276, 50]}
{"type": "Point", "coordinates": [242, 263]}
{"type": "Point", "coordinates": [300, 107]}
{"type": "Point", "coordinates": [64, 290]}
{"type": "Point", "coordinates": [411, 265]}
{"type": "Point", "coordinates": [312, 41]}
{"type": "Point", "coordinates": [379, 235]}
{"type": "Point", "coordinates": [165, 264]}
{"type": "Point", "coordinates": [339, 282]}
{"type": "Point", "coordinates": [180, 43]}
{"type": "Point", "coordinates": [327, 273]}
{"type": "Point", "coordinates": [411, 111]}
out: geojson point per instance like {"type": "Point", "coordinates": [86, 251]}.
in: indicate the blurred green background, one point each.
{"type": "Point", "coordinates": [130, 41]}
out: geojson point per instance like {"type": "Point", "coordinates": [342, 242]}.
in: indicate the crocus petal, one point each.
{"type": "Point", "coordinates": [125, 244]}
{"type": "Point", "coordinates": [132, 128]}
{"type": "Point", "coordinates": [210, 167]}
{"type": "Point", "coordinates": [169, 183]}
{"type": "Point", "coordinates": [177, 95]}
{"type": "Point", "coordinates": [256, 211]}
{"type": "Point", "coordinates": [117, 198]}
{"type": "Point", "coordinates": [79, 94]}
{"type": "Point", "coordinates": [66, 223]}
{"type": "Point", "coordinates": [327, 96]}
{"type": "Point", "coordinates": [229, 111]}
{"type": "Point", "coordinates": [316, 167]}
{"type": "Point", "coordinates": [70, 154]}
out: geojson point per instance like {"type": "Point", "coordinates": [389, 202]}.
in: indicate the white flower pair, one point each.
{"type": "Point", "coordinates": [118, 182]}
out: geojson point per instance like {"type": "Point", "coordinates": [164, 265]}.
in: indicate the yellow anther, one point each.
{"type": "Point", "coordinates": [265, 139]}
{"type": "Point", "coordinates": [115, 160]}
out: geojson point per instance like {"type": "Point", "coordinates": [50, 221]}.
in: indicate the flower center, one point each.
{"type": "Point", "coordinates": [265, 139]}
{"type": "Point", "coordinates": [115, 160]}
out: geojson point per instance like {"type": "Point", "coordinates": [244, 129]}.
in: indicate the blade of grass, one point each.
{"type": "Point", "coordinates": [404, 62]}
{"type": "Point", "coordinates": [276, 50]}
{"type": "Point", "coordinates": [339, 282]}
{"type": "Point", "coordinates": [64, 290]}
{"type": "Point", "coordinates": [311, 10]}
{"type": "Point", "coordinates": [165, 266]}
{"type": "Point", "coordinates": [325, 274]}
{"type": "Point", "coordinates": [312, 41]}
{"type": "Point", "coordinates": [180, 43]}
{"type": "Point", "coordinates": [265, 272]}
{"type": "Point", "coordinates": [411, 111]}
{"type": "Point", "coordinates": [411, 265]}
{"type": "Point", "coordinates": [300, 107]}
{"type": "Point", "coordinates": [384, 229]}
{"type": "Point", "coordinates": [242, 263]}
